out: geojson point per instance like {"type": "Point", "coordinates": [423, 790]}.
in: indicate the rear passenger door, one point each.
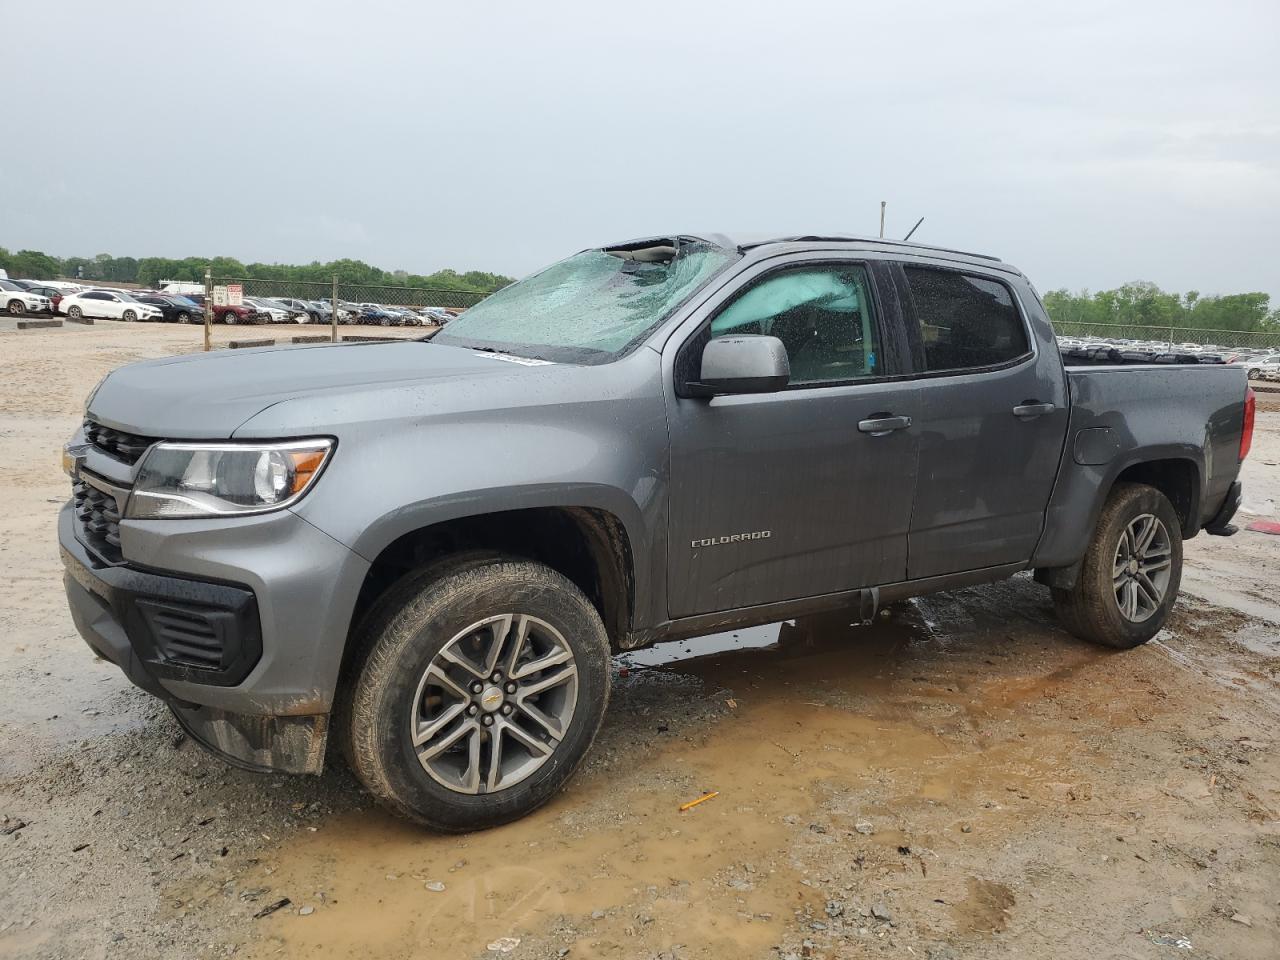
{"type": "Point", "coordinates": [992, 420]}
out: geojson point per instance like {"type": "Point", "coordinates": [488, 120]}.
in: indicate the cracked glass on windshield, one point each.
{"type": "Point", "coordinates": [590, 307]}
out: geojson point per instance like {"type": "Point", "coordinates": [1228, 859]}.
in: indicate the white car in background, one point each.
{"type": "Point", "coordinates": [19, 300]}
{"type": "Point", "coordinates": [107, 304]}
{"type": "Point", "coordinates": [274, 311]}
{"type": "Point", "coordinates": [1265, 368]}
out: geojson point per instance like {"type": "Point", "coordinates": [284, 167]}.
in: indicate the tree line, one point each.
{"type": "Point", "coordinates": [1139, 303]}
{"type": "Point", "coordinates": [150, 271]}
{"type": "Point", "coordinates": [1145, 304]}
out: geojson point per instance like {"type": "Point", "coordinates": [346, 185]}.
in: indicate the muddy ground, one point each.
{"type": "Point", "coordinates": [961, 779]}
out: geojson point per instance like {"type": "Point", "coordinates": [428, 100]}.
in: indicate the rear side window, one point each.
{"type": "Point", "coordinates": [965, 321]}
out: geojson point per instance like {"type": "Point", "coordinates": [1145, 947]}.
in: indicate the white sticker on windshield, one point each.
{"type": "Point", "coordinates": [523, 361]}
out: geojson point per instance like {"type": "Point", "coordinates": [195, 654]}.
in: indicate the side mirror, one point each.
{"type": "Point", "coordinates": [748, 363]}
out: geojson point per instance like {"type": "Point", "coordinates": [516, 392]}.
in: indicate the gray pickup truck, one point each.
{"type": "Point", "coordinates": [430, 548]}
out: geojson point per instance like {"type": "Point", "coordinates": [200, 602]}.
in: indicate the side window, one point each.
{"type": "Point", "coordinates": [822, 315]}
{"type": "Point", "coordinates": [94, 296]}
{"type": "Point", "coordinates": [965, 321]}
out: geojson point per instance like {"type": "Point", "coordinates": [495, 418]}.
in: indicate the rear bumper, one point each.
{"type": "Point", "coordinates": [1221, 525]}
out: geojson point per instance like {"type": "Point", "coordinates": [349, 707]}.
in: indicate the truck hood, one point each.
{"type": "Point", "coordinates": [208, 395]}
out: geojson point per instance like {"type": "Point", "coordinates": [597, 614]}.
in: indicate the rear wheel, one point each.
{"type": "Point", "coordinates": [1254, 373]}
{"type": "Point", "coordinates": [1131, 571]}
{"type": "Point", "coordinates": [481, 692]}
{"type": "Point", "coordinates": [75, 313]}
{"type": "Point", "coordinates": [17, 307]}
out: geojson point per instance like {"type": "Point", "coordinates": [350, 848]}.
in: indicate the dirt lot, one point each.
{"type": "Point", "coordinates": [959, 780]}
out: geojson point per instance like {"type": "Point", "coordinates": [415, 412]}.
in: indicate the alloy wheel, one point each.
{"type": "Point", "coordinates": [494, 704]}
{"type": "Point", "coordinates": [1142, 568]}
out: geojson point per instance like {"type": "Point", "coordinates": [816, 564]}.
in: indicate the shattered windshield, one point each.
{"type": "Point", "coordinates": [590, 307]}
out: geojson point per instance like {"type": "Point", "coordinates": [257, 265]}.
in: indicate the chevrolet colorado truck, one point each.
{"type": "Point", "coordinates": [427, 550]}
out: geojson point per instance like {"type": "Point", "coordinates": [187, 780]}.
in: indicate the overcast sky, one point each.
{"type": "Point", "coordinates": [1091, 143]}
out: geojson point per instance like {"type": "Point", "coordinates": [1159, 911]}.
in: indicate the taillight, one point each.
{"type": "Point", "coordinates": [1250, 411]}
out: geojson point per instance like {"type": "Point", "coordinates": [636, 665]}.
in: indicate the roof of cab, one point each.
{"type": "Point", "coordinates": [743, 243]}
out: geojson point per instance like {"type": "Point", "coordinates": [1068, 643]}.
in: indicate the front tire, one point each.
{"type": "Point", "coordinates": [481, 691]}
{"type": "Point", "coordinates": [184, 316]}
{"type": "Point", "coordinates": [1131, 571]}
{"type": "Point", "coordinates": [129, 316]}
{"type": "Point", "coordinates": [17, 307]}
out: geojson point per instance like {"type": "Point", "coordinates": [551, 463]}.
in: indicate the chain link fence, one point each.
{"type": "Point", "coordinates": [414, 298]}
{"type": "Point", "coordinates": [251, 300]}
{"type": "Point", "coordinates": [1230, 339]}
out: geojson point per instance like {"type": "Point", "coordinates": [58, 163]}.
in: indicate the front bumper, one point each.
{"type": "Point", "coordinates": [270, 595]}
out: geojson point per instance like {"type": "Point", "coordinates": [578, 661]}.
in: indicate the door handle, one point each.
{"type": "Point", "coordinates": [884, 425]}
{"type": "Point", "coordinates": [1032, 409]}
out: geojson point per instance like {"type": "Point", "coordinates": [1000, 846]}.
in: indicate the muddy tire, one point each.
{"type": "Point", "coordinates": [480, 690]}
{"type": "Point", "coordinates": [1131, 572]}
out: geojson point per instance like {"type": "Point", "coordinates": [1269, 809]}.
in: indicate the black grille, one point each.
{"type": "Point", "coordinates": [99, 518]}
{"type": "Point", "coordinates": [187, 635]}
{"type": "Point", "coordinates": [127, 447]}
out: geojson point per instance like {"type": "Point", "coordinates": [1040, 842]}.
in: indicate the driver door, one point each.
{"type": "Point", "coordinates": [793, 494]}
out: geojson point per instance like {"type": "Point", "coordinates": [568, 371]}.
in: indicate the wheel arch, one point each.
{"type": "Point", "coordinates": [588, 545]}
{"type": "Point", "coordinates": [1176, 471]}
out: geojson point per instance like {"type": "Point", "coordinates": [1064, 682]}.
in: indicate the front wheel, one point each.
{"type": "Point", "coordinates": [480, 693]}
{"type": "Point", "coordinates": [129, 316]}
{"type": "Point", "coordinates": [184, 316]}
{"type": "Point", "coordinates": [17, 307]}
{"type": "Point", "coordinates": [1131, 571]}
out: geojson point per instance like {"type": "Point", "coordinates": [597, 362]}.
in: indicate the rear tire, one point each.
{"type": "Point", "coordinates": [454, 780]}
{"type": "Point", "coordinates": [129, 316]}
{"type": "Point", "coordinates": [1130, 574]}
{"type": "Point", "coordinates": [75, 313]}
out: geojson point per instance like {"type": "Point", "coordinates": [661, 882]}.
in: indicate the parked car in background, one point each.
{"type": "Point", "coordinates": [1267, 368]}
{"type": "Point", "coordinates": [437, 315]}
{"type": "Point", "coordinates": [304, 310]}
{"type": "Point", "coordinates": [173, 309]}
{"type": "Point", "coordinates": [39, 288]}
{"type": "Point", "coordinates": [374, 314]}
{"type": "Point", "coordinates": [18, 300]}
{"type": "Point", "coordinates": [109, 305]}
{"type": "Point", "coordinates": [242, 313]}
{"type": "Point", "coordinates": [406, 316]}
{"type": "Point", "coordinates": [268, 310]}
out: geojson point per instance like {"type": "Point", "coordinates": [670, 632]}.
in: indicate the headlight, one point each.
{"type": "Point", "coordinates": [225, 479]}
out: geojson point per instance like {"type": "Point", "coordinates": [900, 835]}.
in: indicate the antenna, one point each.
{"type": "Point", "coordinates": [883, 203]}
{"type": "Point", "coordinates": [909, 232]}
